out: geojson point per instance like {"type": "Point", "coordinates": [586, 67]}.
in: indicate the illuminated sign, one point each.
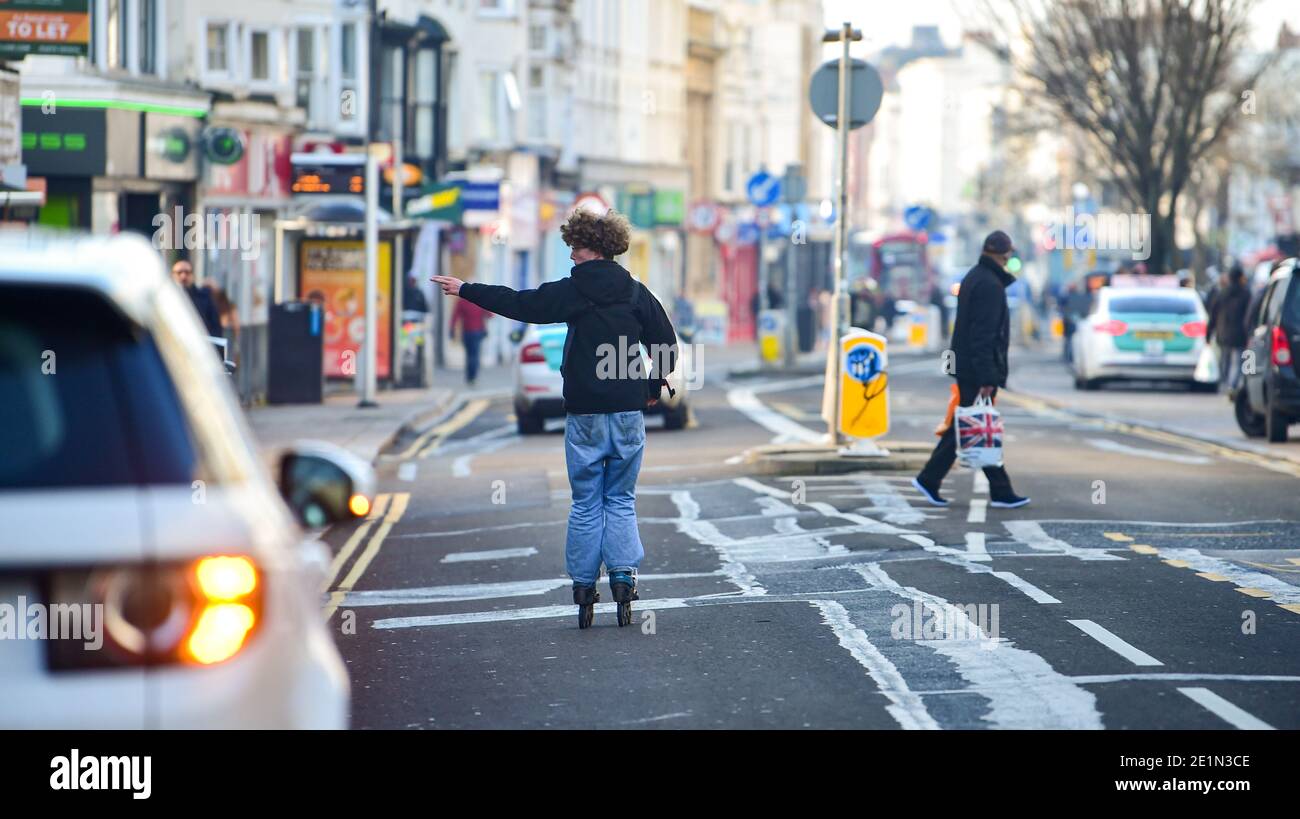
{"type": "Point", "coordinates": [329, 174]}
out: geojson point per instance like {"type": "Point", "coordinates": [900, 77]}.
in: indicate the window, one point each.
{"type": "Point", "coordinates": [499, 101]}
{"type": "Point", "coordinates": [500, 7]}
{"type": "Point", "coordinates": [536, 77]}
{"type": "Point", "coordinates": [219, 48]}
{"type": "Point", "coordinates": [112, 416]}
{"type": "Point", "coordinates": [305, 74]}
{"type": "Point", "coordinates": [147, 34]}
{"type": "Point", "coordinates": [1273, 303]}
{"type": "Point", "coordinates": [392, 83]}
{"type": "Point", "coordinates": [425, 98]}
{"type": "Point", "coordinates": [1291, 314]}
{"type": "Point", "coordinates": [1168, 305]}
{"type": "Point", "coordinates": [115, 31]}
{"type": "Point", "coordinates": [537, 37]}
{"type": "Point", "coordinates": [348, 51]}
{"type": "Point", "coordinates": [350, 104]}
{"type": "Point", "coordinates": [260, 56]}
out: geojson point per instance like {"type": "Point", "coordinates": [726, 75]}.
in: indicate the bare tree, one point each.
{"type": "Point", "coordinates": [1154, 84]}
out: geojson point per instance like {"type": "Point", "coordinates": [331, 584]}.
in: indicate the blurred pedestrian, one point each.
{"type": "Point", "coordinates": [1227, 326]}
{"type": "Point", "coordinates": [471, 320]}
{"type": "Point", "coordinates": [981, 339]}
{"type": "Point", "coordinates": [200, 297]}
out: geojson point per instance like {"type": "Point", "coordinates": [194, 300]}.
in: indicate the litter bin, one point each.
{"type": "Point", "coordinates": [295, 366]}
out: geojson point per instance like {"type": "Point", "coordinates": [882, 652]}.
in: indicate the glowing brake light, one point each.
{"type": "Point", "coordinates": [1281, 348]}
{"type": "Point", "coordinates": [532, 354]}
{"type": "Point", "coordinates": [1194, 329]}
{"type": "Point", "coordinates": [1113, 327]}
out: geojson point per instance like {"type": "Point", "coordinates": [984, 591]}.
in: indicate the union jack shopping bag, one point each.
{"type": "Point", "coordinates": [979, 434]}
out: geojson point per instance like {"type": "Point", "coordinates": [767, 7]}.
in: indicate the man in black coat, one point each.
{"type": "Point", "coordinates": [981, 337]}
{"type": "Point", "coordinates": [1228, 326]}
{"type": "Point", "coordinates": [606, 390]}
{"type": "Point", "coordinates": [200, 297]}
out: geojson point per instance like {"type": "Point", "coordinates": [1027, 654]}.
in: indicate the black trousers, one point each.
{"type": "Point", "coordinates": [945, 453]}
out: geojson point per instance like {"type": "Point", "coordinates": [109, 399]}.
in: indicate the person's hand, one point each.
{"type": "Point", "coordinates": [987, 392]}
{"type": "Point", "coordinates": [450, 284]}
{"type": "Point", "coordinates": [652, 402]}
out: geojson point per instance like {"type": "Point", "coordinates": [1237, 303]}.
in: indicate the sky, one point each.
{"type": "Point", "coordinates": [889, 22]}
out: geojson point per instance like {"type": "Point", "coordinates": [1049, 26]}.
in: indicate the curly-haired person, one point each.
{"type": "Point", "coordinates": [610, 316]}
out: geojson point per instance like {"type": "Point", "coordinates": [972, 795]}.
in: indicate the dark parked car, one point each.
{"type": "Point", "coordinates": [1268, 400]}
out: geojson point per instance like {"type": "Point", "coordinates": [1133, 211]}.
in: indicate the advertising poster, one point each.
{"type": "Point", "coordinates": [59, 27]}
{"type": "Point", "coordinates": [333, 273]}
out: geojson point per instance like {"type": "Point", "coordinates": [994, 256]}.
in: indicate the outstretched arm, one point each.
{"type": "Point", "coordinates": [547, 304]}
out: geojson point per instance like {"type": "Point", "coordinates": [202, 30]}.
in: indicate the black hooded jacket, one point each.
{"type": "Point", "coordinates": [981, 333]}
{"type": "Point", "coordinates": [610, 315]}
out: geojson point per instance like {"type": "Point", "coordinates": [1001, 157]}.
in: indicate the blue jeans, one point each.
{"type": "Point", "coordinates": [603, 454]}
{"type": "Point", "coordinates": [473, 342]}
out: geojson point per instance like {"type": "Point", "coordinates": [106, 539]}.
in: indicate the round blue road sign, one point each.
{"type": "Point", "coordinates": [763, 189]}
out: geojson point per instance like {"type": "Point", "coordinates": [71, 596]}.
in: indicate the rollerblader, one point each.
{"type": "Point", "coordinates": [610, 315]}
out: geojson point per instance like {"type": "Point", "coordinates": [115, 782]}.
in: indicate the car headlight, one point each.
{"type": "Point", "coordinates": [199, 612]}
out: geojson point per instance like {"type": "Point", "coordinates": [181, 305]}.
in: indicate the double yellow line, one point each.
{"type": "Point", "coordinates": [387, 510]}
{"type": "Point", "coordinates": [427, 443]}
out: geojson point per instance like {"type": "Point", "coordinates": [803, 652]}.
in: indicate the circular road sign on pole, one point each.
{"type": "Point", "coordinates": [865, 85]}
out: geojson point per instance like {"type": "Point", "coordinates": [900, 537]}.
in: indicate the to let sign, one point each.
{"type": "Point", "coordinates": [59, 27]}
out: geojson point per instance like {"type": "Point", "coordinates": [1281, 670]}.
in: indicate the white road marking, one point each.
{"type": "Point", "coordinates": [1052, 701]}
{"type": "Point", "coordinates": [510, 615]}
{"type": "Point", "coordinates": [1177, 677]}
{"type": "Point", "coordinates": [1010, 578]}
{"type": "Point", "coordinates": [975, 547]}
{"type": "Point", "coordinates": [1282, 592]}
{"type": "Point", "coordinates": [484, 591]}
{"type": "Point", "coordinates": [500, 528]}
{"type": "Point", "coordinates": [660, 718]}
{"type": "Point", "coordinates": [907, 709]}
{"type": "Point", "coordinates": [408, 470]}
{"type": "Point", "coordinates": [1031, 591]}
{"type": "Point", "coordinates": [745, 401]}
{"type": "Point", "coordinates": [1107, 445]}
{"type": "Point", "coordinates": [981, 483]}
{"type": "Point", "coordinates": [1126, 650]}
{"type": "Point", "coordinates": [1224, 710]}
{"type": "Point", "coordinates": [1030, 533]}
{"type": "Point", "coordinates": [491, 554]}
{"type": "Point", "coordinates": [978, 511]}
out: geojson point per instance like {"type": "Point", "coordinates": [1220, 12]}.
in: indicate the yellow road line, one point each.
{"type": "Point", "coordinates": [1295, 560]}
{"type": "Point", "coordinates": [1217, 578]}
{"type": "Point", "coordinates": [395, 512]}
{"type": "Point", "coordinates": [1179, 564]}
{"type": "Point", "coordinates": [1294, 608]}
{"type": "Point", "coordinates": [1256, 592]}
{"type": "Point", "coordinates": [1143, 549]}
{"type": "Point", "coordinates": [1117, 537]}
{"type": "Point", "coordinates": [453, 425]}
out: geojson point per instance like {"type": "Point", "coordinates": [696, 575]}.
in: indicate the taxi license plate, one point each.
{"type": "Point", "coordinates": [1152, 335]}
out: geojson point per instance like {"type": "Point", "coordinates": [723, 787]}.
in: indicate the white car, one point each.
{"type": "Point", "coordinates": [1140, 333]}
{"type": "Point", "coordinates": [152, 574]}
{"type": "Point", "coordinates": [539, 387]}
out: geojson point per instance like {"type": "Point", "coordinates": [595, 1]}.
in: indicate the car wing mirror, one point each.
{"type": "Point", "coordinates": [325, 484]}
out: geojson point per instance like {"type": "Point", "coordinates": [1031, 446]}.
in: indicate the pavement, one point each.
{"type": "Point", "coordinates": [1152, 583]}
{"type": "Point", "coordinates": [368, 431]}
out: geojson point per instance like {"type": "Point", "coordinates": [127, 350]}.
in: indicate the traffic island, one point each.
{"type": "Point", "coordinates": [825, 459]}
